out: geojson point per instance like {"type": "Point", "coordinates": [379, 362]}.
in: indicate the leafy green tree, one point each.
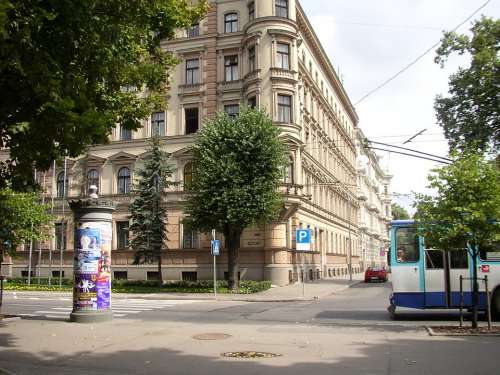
{"type": "Point", "coordinates": [147, 212]}
{"type": "Point", "coordinates": [238, 165]}
{"type": "Point", "coordinates": [22, 219]}
{"type": "Point", "coordinates": [465, 210]}
{"type": "Point", "coordinates": [399, 212]}
{"type": "Point", "coordinates": [71, 70]}
{"type": "Point", "coordinates": [470, 113]}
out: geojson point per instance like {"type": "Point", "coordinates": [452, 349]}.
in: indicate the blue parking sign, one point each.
{"type": "Point", "coordinates": [215, 247]}
{"type": "Point", "coordinates": [303, 239]}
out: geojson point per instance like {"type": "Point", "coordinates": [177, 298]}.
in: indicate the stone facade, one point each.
{"type": "Point", "coordinates": [375, 199]}
{"type": "Point", "coordinates": [263, 53]}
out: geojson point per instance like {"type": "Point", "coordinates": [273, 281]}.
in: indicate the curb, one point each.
{"type": "Point", "coordinates": [432, 333]}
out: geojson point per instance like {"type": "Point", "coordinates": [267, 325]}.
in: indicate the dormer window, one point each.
{"type": "Point", "coordinates": [231, 23]}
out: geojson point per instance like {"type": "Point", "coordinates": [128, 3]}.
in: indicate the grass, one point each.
{"type": "Point", "coordinates": [128, 286]}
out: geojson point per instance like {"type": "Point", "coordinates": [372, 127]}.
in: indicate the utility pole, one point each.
{"type": "Point", "coordinates": [63, 226]}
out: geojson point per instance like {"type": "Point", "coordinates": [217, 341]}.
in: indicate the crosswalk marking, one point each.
{"type": "Point", "coordinates": [120, 308]}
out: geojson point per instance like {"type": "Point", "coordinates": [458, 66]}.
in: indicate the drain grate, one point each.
{"type": "Point", "coordinates": [250, 354]}
{"type": "Point", "coordinates": [212, 336]}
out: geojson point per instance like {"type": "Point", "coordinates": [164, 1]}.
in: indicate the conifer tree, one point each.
{"type": "Point", "coordinates": [147, 212]}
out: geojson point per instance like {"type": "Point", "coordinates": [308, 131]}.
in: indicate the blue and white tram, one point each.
{"type": "Point", "coordinates": [430, 278]}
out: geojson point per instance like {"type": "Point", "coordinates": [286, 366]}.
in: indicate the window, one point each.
{"type": "Point", "coordinates": [189, 276]}
{"type": "Point", "coordinates": [193, 30]}
{"type": "Point", "coordinates": [57, 273]}
{"type": "Point", "coordinates": [251, 59]}
{"type": "Point", "coordinates": [406, 245]}
{"type": "Point", "coordinates": [288, 172]}
{"type": "Point", "coordinates": [284, 108]}
{"type": "Point", "coordinates": [233, 110]}
{"type": "Point", "coordinates": [283, 58]}
{"type": "Point", "coordinates": [152, 275]}
{"type": "Point", "coordinates": [59, 236]}
{"type": "Point", "coordinates": [125, 134]}
{"type": "Point", "coordinates": [122, 234]}
{"type": "Point", "coordinates": [491, 252]}
{"type": "Point", "coordinates": [251, 11]}
{"type": "Point", "coordinates": [158, 124]}
{"type": "Point", "coordinates": [281, 8]}
{"type": "Point", "coordinates": [252, 102]}
{"type": "Point", "coordinates": [192, 71]}
{"type": "Point", "coordinates": [92, 179]}
{"type": "Point", "coordinates": [189, 238]}
{"type": "Point", "coordinates": [25, 273]}
{"type": "Point", "coordinates": [188, 174]}
{"type": "Point", "coordinates": [458, 259]}
{"type": "Point", "coordinates": [62, 185]}
{"type": "Point", "coordinates": [231, 23]}
{"type": "Point", "coordinates": [120, 275]}
{"type": "Point", "coordinates": [434, 259]}
{"type": "Point", "coordinates": [124, 181]}
{"type": "Point", "coordinates": [191, 115]}
{"type": "Point", "coordinates": [231, 68]}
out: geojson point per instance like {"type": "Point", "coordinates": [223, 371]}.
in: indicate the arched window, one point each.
{"type": "Point", "coordinates": [92, 179]}
{"type": "Point", "coordinates": [231, 23]}
{"type": "Point", "coordinates": [188, 174]}
{"type": "Point", "coordinates": [288, 172]}
{"type": "Point", "coordinates": [62, 186]}
{"type": "Point", "coordinates": [124, 181]}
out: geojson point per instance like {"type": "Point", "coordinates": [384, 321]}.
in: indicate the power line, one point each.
{"type": "Point", "coordinates": [408, 149]}
{"type": "Point", "coordinates": [418, 58]}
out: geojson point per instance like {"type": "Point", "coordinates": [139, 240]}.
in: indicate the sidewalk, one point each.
{"type": "Point", "coordinates": [297, 292]}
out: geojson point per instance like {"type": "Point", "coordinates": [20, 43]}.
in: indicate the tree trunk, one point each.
{"type": "Point", "coordinates": [233, 251]}
{"type": "Point", "coordinates": [475, 287]}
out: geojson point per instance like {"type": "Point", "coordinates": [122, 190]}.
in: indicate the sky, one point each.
{"type": "Point", "coordinates": [370, 41]}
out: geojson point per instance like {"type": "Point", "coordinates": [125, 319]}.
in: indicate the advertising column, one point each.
{"type": "Point", "coordinates": [92, 261]}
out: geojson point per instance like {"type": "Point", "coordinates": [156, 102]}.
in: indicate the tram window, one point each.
{"type": "Point", "coordinates": [491, 252]}
{"type": "Point", "coordinates": [458, 259]}
{"type": "Point", "coordinates": [406, 245]}
{"type": "Point", "coordinates": [434, 259]}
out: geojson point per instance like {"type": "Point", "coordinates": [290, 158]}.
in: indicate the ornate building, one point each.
{"type": "Point", "coordinates": [374, 206]}
{"type": "Point", "coordinates": [263, 53]}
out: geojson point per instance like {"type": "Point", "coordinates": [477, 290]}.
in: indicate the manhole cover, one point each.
{"type": "Point", "coordinates": [211, 336]}
{"type": "Point", "coordinates": [249, 354]}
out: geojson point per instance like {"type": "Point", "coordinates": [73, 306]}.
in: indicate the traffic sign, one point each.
{"type": "Point", "coordinates": [303, 239]}
{"type": "Point", "coordinates": [215, 247]}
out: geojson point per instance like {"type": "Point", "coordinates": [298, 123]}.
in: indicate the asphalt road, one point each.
{"type": "Point", "coordinates": [360, 305]}
{"type": "Point", "coordinates": [349, 333]}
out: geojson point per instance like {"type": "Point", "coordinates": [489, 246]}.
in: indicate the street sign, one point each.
{"type": "Point", "coordinates": [303, 239]}
{"type": "Point", "coordinates": [215, 246]}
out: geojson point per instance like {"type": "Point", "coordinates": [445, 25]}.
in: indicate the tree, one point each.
{"type": "Point", "coordinates": [238, 165]}
{"type": "Point", "coordinates": [71, 70]}
{"type": "Point", "coordinates": [22, 220]}
{"type": "Point", "coordinates": [465, 210]}
{"type": "Point", "coordinates": [470, 114]}
{"type": "Point", "coordinates": [399, 212]}
{"type": "Point", "coordinates": [148, 213]}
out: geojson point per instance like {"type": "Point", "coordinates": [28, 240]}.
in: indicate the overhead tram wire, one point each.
{"type": "Point", "coordinates": [367, 142]}
{"type": "Point", "coordinates": [418, 58]}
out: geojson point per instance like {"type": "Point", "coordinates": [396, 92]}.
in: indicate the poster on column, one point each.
{"type": "Point", "coordinates": [93, 266]}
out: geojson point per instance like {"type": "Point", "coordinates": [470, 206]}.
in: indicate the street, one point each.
{"type": "Point", "coordinates": [347, 333]}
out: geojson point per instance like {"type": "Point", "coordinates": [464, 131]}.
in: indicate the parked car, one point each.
{"type": "Point", "coordinates": [375, 273]}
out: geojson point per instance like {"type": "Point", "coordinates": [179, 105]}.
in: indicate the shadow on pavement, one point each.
{"type": "Point", "coordinates": [396, 356]}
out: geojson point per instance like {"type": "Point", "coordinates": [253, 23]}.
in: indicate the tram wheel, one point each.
{"type": "Point", "coordinates": [392, 312]}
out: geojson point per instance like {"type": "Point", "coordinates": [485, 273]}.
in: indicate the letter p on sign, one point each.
{"type": "Point", "coordinates": [303, 239]}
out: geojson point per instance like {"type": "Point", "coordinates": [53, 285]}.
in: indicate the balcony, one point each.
{"type": "Point", "coordinates": [252, 76]}
{"type": "Point", "coordinates": [191, 89]}
{"type": "Point", "coordinates": [362, 195]}
{"type": "Point", "coordinates": [289, 76]}
{"type": "Point", "coordinates": [229, 86]}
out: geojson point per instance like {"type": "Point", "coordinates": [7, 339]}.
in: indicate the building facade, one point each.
{"type": "Point", "coordinates": [262, 53]}
{"type": "Point", "coordinates": [374, 198]}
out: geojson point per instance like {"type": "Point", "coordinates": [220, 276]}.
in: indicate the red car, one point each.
{"type": "Point", "coordinates": [375, 273]}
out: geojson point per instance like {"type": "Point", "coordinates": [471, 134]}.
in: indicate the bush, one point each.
{"type": "Point", "coordinates": [43, 281]}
